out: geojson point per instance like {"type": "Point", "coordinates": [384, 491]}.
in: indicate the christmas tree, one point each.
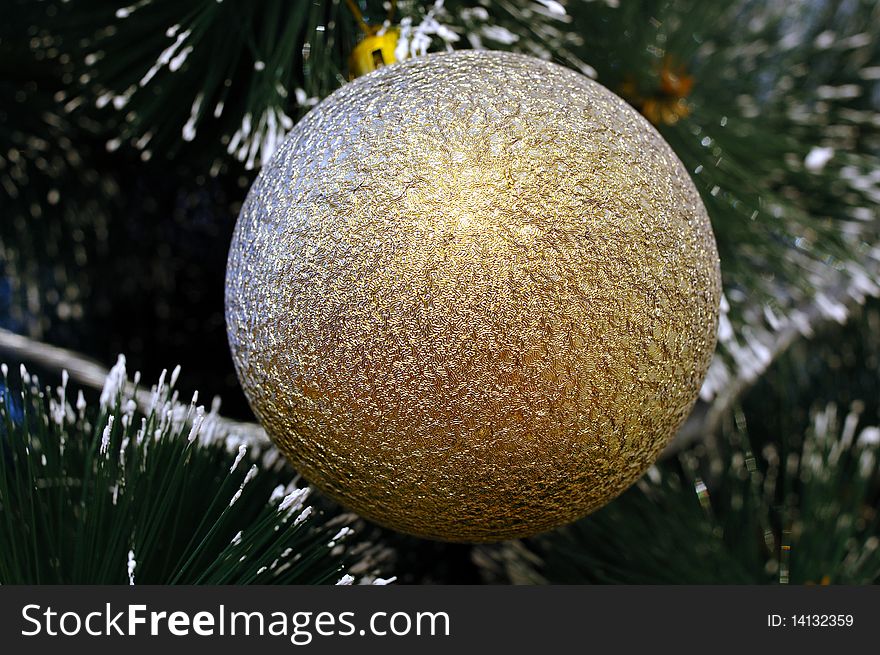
{"type": "Point", "coordinates": [129, 137]}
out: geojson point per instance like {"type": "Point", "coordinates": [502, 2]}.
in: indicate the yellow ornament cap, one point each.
{"type": "Point", "coordinates": [374, 51]}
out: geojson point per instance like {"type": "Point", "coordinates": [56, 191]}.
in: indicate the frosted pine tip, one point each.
{"type": "Point", "coordinates": [132, 564]}
{"type": "Point", "coordinates": [139, 437]}
{"type": "Point", "coordinates": [305, 514]}
{"type": "Point", "coordinates": [157, 391]}
{"type": "Point", "coordinates": [344, 532]}
{"type": "Point", "coordinates": [242, 450]}
{"type": "Point", "coordinates": [179, 59]}
{"type": "Point", "coordinates": [189, 129]}
{"type": "Point", "coordinates": [553, 7]}
{"type": "Point", "coordinates": [251, 474]}
{"type": "Point", "coordinates": [869, 437]}
{"type": "Point", "coordinates": [339, 536]}
{"type": "Point", "coordinates": [114, 383]}
{"type": "Point", "coordinates": [197, 423]}
{"type": "Point", "coordinates": [164, 58]}
{"type": "Point", "coordinates": [294, 499]}
{"type": "Point", "coordinates": [122, 448]}
{"type": "Point", "coordinates": [105, 437]}
{"type": "Point", "coordinates": [174, 375]}
{"type": "Point", "coordinates": [236, 540]}
{"type": "Point", "coordinates": [384, 581]}
{"type": "Point", "coordinates": [345, 581]}
{"type": "Point", "coordinates": [277, 492]}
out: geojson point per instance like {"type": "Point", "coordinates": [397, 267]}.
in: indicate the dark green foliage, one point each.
{"type": "Point", "coordinates": [801, 517]}
{"type": "Point", "coordinates": [165, 72]}
{"type": "Point", "coordinates": [84, 493]}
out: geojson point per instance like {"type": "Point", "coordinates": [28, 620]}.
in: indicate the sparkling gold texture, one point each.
{"type": "Point", "coordinates": [473, 296]}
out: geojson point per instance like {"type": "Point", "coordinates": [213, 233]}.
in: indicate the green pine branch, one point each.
{"type": "Point", "coordinates": [111, 494]}
{"type": "Point", "coordinates": [804, 516]}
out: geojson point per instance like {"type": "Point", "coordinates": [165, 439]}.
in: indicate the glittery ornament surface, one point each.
{"type": "Point", "coordinates": [473, 296]}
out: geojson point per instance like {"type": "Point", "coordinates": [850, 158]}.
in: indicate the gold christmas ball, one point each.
{"type": "Point", "coordinates": [473, 296]}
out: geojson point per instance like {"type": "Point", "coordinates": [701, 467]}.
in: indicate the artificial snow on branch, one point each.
{"type": "Point", "coordinates": [155, 493]}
